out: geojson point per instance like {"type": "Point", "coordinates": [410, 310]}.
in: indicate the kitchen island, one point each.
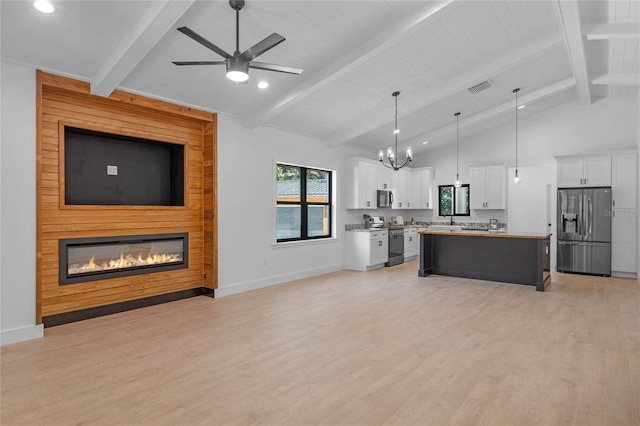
{"type": "Point", "coordinates": [494, 256]}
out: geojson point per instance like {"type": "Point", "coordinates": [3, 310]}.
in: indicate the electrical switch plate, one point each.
{"type": "Point", "coordinates": [112, 170]}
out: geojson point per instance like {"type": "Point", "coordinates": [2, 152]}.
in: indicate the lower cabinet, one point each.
{"type": "Point", "coordinates": [410, 243]}
{"type": "Point", "coordinates": [623, 245]}
{"type": "Point", "coordinates": [367, 250]}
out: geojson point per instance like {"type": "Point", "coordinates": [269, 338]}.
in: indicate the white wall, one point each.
{"type": "Point", "coordinates": [247, 254]}
{"type": "Point", "coordinates": [18, 204]}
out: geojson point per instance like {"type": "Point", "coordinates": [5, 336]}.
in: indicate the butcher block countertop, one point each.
{"type": "Point", "coordinates": [490, 234]}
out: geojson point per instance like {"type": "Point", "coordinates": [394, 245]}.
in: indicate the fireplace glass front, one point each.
{"type": "Point", "coordinates": [89, 259]}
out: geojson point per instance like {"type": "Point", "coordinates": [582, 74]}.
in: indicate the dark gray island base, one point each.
{"type": "Point", "coordinates": [511, 258]}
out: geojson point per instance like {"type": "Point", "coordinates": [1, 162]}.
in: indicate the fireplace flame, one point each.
{"type": "Point", "coordinates": [124, 261]}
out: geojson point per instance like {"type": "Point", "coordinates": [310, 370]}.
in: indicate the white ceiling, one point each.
{"type": "Point", "coordinates": [354, 53]}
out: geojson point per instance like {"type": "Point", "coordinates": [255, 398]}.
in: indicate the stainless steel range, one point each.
{"type": "Point", "coordinates": [396, 246]}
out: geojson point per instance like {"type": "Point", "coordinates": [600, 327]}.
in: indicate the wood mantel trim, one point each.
{"type": "Point", "coordinates": [39, 78]}
{"type": "Point", "coordinates": [84, 88]}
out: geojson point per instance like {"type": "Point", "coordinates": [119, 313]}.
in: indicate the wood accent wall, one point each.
{"type": "Point", "coordinates": [64, 101]}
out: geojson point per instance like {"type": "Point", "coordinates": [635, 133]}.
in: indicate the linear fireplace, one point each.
{"type": "Point", "coordinates": [99, 258]}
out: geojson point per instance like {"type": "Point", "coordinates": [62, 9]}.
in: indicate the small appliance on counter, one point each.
{"type": "Point", "coordinates": [376, 222]}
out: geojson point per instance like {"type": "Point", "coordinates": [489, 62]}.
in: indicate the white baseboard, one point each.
{"type": "Point", "coordinates": [279, 279]}
{"type": "Point", "coordinates": [21, 334]}
{"type": "Point", "coordinates": [624, 274]}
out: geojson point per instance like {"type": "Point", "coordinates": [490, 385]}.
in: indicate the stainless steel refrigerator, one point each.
{"type": "Point", "coordinates": [584, 230]}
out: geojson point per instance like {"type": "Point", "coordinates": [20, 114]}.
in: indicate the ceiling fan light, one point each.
{"type": "Point", "coordinates": [43, 6]}
{"type": "Point", "coordinates": [237, 70]}
{"type": "Point", "coordinates": [238, 76]}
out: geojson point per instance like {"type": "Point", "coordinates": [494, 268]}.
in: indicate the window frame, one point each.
{"type": "Point", "coordinates": [453, 203]}
{"type": "Point", "coordinates": [304, 204]}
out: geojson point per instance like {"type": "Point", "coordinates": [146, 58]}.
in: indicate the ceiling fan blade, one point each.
{"type": "Point", "coordinates": [274, 67]}
{"type": "Point", "coordinates": [262, 46]}
{"type": "Point", "coordinates": [199, 62]}
{"type": "Point", "coordinates": [203, 41]}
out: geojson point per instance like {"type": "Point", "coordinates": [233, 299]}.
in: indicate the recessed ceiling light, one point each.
{"type": "Point", "coordinates": [263, 85]}
{"type": "Point", "coordinates": [425, 142]}
{"type": "Point", "coordinates": [522, 106]}
{"type": "Point", "coordinates": [43, 6]}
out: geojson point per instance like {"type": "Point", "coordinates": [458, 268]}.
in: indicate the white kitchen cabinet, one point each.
{"type": "Point", "coordinates": [623, 242]}
{"type": "Point", "coordinates": [624, 221]}
{"type": "Point", "coordinates": [421, 189]}
{"type": "Point", "coordinates": [400, 189]}
{"type": "Point", "coordinates": [363, 179]}
{"type": "Point", "coordinates": [624, 180]}
{"type": "Point", "coordinates": [367, 250]}
{"type": "Point", "coordinates": [384, 178]}
{"type": "Point", "coordinates": [410, 243]}
{"type": "Point", "coordinates": [584, 171]}
{"type": "Point", "coordinates": [488, 187]}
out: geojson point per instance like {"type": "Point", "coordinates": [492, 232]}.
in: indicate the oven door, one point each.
{"type": "Point", "coordinates": [396, 242]}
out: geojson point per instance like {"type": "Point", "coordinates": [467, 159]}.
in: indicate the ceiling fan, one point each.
{"type": "Point", "coordinates": [238, 64]}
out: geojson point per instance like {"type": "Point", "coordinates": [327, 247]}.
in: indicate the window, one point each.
{"type": "Point", "coordinates": [453, 201]}
{"type": "Point", "coordinates": [303, 203]}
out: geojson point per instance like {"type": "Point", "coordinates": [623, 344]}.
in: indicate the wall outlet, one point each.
{"type": "Point", "coordinates": [112, 170]}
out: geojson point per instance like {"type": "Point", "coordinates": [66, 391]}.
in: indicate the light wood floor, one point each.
{"type": "Point", "coordinates": [356, 348]}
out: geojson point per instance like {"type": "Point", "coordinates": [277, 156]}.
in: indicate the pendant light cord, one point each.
{"type": "Point", "coordinates": [395, 129]}
{"type": "Point", "coordinates": [516, 92]}
{"type": "Point", "coordinates": [457, 114]}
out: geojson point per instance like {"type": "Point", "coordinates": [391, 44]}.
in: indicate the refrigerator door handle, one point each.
{"type": "Point", "coordinates": [590, 213]}
{"type": "Point", "coordinates": [580, 225]}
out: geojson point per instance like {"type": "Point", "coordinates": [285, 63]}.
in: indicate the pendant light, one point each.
{"type": "Point", "coordinates": [457, 183]}
{"type": "Point", "coordinates": [392, 156]}
{"type": "Point", "coordinates": [516, 178]}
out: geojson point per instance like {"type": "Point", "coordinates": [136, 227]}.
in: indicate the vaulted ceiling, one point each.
{"type": "Point", "coordinates": [354, 55]}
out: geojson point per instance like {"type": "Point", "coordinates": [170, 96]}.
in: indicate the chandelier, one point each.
{"type": "Point", "coordinates": [392, 156]}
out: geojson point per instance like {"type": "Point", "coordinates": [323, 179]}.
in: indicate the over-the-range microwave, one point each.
{"type": "Point", "coordinates": [385, 198]}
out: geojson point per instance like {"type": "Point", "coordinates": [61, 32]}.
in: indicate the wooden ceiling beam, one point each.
{"type": "Point", "coordinates": [483, 116]}
{"type": "Point", "coordinates": [619, 79]}
{"type": "Point", "coordinates": [159, 18]}
{"type": "Point", "coordinates": [453, 86]}
{"type": "Point", "coordinates": [311, 83]}
{"type": "Point", "coordinates": [569, 14]}
{"type": "Point", "coordinates": [615, 30]}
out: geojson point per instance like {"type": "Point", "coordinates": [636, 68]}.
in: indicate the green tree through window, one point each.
{"type": "Point", "coordinates": [453, 201]}
{"type": "Point", "coordinates": [303, 203]}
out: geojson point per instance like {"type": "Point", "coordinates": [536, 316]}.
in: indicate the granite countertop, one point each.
{"type": "Point", "coordinates": [491, 234]}
{"type": "Point", "coordinates": [386, 228]}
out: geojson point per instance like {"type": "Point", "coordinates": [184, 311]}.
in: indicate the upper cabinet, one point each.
{"type": "Point", "coordinates": [624, 180]}
{"type": "Point", "coordinates": [584, 171]}
{"type": "Point", "coordinates": [400, 189]}
{"type": "Point", "coordinates": [411, 188]}
{"type": "Point", "coordinates": [363, 180]}
{"type": "Point", "coordinates": [421, 189]}
{"type": "Point", "coordinates": [488, 187]}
